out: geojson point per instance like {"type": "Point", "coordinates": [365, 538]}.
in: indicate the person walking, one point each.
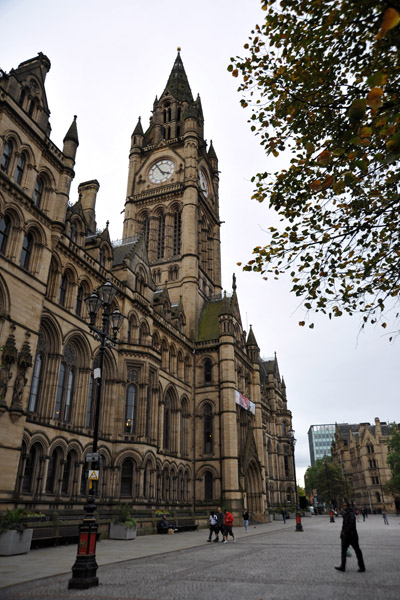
{"type": "Point", "coordinates": [228, 522]}
{"type": "Point", "coordinates": [284, 515]}
{"type": "Point", "coordinates": [246, 520]}
{"type": "Point", "coordinates": [213, 526]}
{"type": "Point", "coordinates": [220, 525]}
{"type": "Point", "coordinates": [384, 515]}
{"type": "Point", "coordinates": [364, 513]}
{"type": "Point", "coordinates": [349, 537]}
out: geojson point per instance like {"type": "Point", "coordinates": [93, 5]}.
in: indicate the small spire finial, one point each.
{"type": "Point", "coordinates": [107, 224]}
{"type": "Point", "coordinates": [179, 48]}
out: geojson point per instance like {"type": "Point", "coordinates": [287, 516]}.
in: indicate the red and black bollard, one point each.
{"type": "Point", "coordinates": [299, 526]}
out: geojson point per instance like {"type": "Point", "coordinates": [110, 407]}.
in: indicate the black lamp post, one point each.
{"type": "Point", "coordinates": [292, 442]}
{"type": "Point", "coordinates": [84, 571]}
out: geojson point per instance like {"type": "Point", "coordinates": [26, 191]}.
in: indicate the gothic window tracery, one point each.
{"type": "Point", "coordinates": [208, 429]}
{"type": "Point", "coordinates": [161, 237]}
{"type": "Point", "coordinates": [20, 168]}
{"type": "Point", "coordinates": [66, 385]}
{"type": "Point", "coordinates": [26, 252]}
{"type": "Point", "coordinates": [7, 154]}
{"type": "Point", "coordinates": [38, 191]}
{"type": "Point", "coordinates": [5, 226]}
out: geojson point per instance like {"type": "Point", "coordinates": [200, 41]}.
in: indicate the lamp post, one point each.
{"type": "Point", "coordinates": [292, 442]}
{"type": "Point", "coordinates": [84, 570]}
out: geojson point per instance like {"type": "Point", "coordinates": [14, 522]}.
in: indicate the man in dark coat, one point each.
{"type": "Point", "coordinates": [349, 537]}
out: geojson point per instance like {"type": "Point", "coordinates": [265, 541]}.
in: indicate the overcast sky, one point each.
{"type": "Point", "coordinates": [108, 62]}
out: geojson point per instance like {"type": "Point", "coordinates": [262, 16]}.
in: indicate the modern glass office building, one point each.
{"type": "Point", "coordinates": [320, 438]}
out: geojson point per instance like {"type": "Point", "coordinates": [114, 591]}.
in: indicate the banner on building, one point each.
{"type": "Point", "coordinates": [245, 402]}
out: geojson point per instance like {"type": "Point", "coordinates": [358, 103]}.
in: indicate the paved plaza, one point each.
{"type": "Point", "coordinates": [271, 562]}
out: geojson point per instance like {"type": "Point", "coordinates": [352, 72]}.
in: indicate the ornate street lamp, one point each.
{"type": "Point", "coordinates": [84, 571]}
{"type": "Point", "coordinates": [292, 442]}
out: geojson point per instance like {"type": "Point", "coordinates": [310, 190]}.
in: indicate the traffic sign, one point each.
{"type": "Point", "coordinates": [92, 457]}
{"type": "Point", "coordinates": [93, 475]}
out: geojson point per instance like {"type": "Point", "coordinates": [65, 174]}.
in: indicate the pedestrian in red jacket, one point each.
{"type": "Point", "coordinates": [228, 522]}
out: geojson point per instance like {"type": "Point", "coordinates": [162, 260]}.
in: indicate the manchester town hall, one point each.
{"type": "Point", "coordinates": [188, 415]}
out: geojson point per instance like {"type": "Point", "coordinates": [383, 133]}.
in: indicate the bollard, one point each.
{"type": "Point", "coordinates": [299, 526]}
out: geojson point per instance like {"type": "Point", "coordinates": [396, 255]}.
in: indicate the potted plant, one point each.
{"type": "Point", "coordinates": [15, 536]}
{"type": "Point", "coordinates": [123, 527]}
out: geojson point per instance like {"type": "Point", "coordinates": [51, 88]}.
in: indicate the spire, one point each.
{"type": "Point", "coordinates": [251, 338]}
{"type": "Point", "coordinates": [138, 129]}
{"type": "Point", "coordinates": [72, 133]}
{"type": "Point", "coordinates": [211, 152]}
{"type": "Point", "coordinates": [178, 84]}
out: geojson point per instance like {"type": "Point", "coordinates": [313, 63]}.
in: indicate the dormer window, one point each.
{"type": "Point", "coordinates": [21, 98]}
{"type": "Point", "coordinates": [73, 232]}
{"type": "Point", "coordinates": [31, 108]}
{"type": "Point", "coordinates": [102, 257]}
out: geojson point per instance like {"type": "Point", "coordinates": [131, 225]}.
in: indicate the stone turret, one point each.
{"type": "Point", "coordinates": [87, 195]}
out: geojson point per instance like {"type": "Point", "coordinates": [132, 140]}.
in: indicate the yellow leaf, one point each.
{"type": "Point", "coordinates": [302, 323]}
{"type": "Point", "coordinates": [374, 98]}
{"type": "Point", "coordinates": [235, 72]}
{"type": "Point", "coordinates": [391, 19]}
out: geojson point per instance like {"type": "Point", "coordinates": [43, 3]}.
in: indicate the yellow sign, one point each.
{"type": "Point", "coordinates": [94, 475]}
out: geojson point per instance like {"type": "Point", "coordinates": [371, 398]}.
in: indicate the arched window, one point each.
{"type": "Point", "coordinates": [62, 294]}
{"type": "Point", "coordinates": [73, 232]}
{"type": "Point", "coordinates": [146, 231]}
{"type": "Point", "coordinates": [21, 98]}
{"type": "Point", "coordinates": [30, 468]}
{"type": "Point", "coordinates": [102, 256]}
{"type": "Point", "coordinates": [31, 107]}
{"type": "Point", "coordinates": [36, 380]}
{"type": "Point", "coordinates": [167, 424]}
{"type": "Point", "coordinates": [66, 474]}
{"type": "Point", "coordinates": [208, 429]}
{"type": "Point", "coordinates": [6, 158]}
{"type": "Point", "coordinates": [79, 301]}
{"type": "Point", "coordinates": [19, 169]}
{"type": "Point", "coordinates": [65, 385]}
{"type": "Point", "coordinates": [127, 478]}
{"type": "Point", "coordinates": [161, 237]}
{"type": "Point", "coordinates": [184, 427]}
{"type": "Point", "coordinates": [130, 409]}
{"type": "Point", "coordinates": [283, 428]}
{"type": "Point", "coordinates": [5, 225]}
{"type": "Point", "coordinates": [52, 471]}
{"type": "Point", "coordinates": [177, 233]}
{"type": "Point", "coordinates": [26, 251]}
{"type": "Point", "coordinates": [207, 371]}
{"type": "Point", "coordinates": [208, 486]}
{"type": "Point", "coordinates": [38, 191]}
{"type": "Point", "coordinates": [89, 410]}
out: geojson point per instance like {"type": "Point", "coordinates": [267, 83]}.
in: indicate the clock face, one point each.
{"type": "Point", "coordinates": [161, 171]}
{"type": "Point", "coordinates": [203, 183]}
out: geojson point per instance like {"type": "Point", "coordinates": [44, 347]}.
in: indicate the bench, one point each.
{"type": "Point", "coordinates": [181, 524]}
{"type": "Point", "coordinates": [186, 524]}
{"type": "Point", "coordinates": [53, 536]}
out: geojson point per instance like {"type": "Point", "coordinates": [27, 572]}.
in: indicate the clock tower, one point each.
{"type": "Point", "coordinates": [172, 198]}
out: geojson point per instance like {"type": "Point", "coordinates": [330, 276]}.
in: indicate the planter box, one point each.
{"type": "Point", "coordinates": [120, 532]}
{"type": "Point", "coordinates": [13, 542]}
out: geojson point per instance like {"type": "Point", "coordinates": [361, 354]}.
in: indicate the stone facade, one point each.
{"type": "Point", "coordinates": [362, 450]}
{"type": "Point", "coordinates": [171, 431]}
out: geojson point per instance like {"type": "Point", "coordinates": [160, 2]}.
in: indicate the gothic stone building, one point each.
{"type": "Point", "coordinates": [361, 450]}
{"type": "Point", "coordinates": [190, 416]}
